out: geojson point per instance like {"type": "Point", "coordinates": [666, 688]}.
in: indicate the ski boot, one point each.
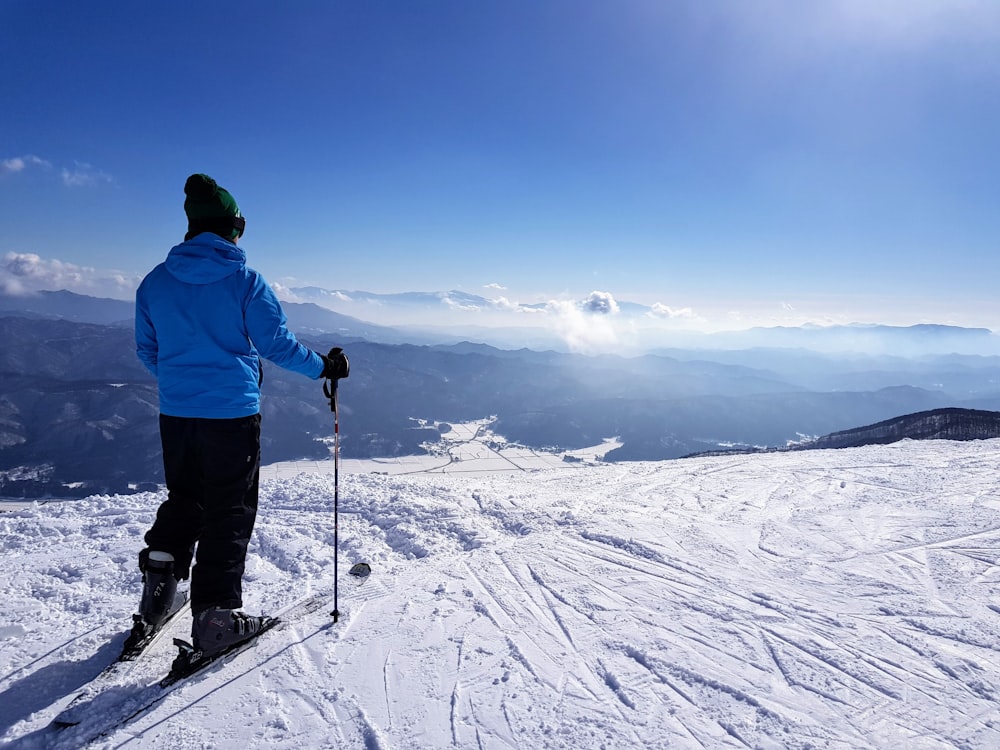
{"type": "Point", "coordinates": [157, 602]}
{"type": "Point", "coordinates": [159, 588]}
{"type": "Point", "coordinates": [217, 629]}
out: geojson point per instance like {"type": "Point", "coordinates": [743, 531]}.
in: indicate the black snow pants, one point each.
{"type": "Point", "coordinates": [212, 467]}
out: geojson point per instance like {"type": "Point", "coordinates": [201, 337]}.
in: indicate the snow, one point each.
{"type": "Point", "coordinates": [821, 599]}
{"type": "Point", "coordinates": [464, 448]}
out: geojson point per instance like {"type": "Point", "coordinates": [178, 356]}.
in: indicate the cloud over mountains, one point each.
{"type": "Point", "coordinates": [26, 273]}
{"type": "Point", "coordinates": [599, 322]}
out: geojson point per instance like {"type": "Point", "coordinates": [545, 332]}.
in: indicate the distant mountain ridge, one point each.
{"type": "Point", "coordinates": [922, 338]}
{"type": "Point", "coordinates": [305, 317]}
{"type": "Point", "coordinates": [465, 313]}
{"type": "Point", "coordinates": [950, 423]}
{"type": "Point", "coordinates": [946, 423]}
{"type": "Point", "coordinates": [68, 306]}
{"type": "Point", "coordinates": [316, 312]}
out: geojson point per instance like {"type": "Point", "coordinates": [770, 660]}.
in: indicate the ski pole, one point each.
{"type": "Point", "coordinates": [330, 390]}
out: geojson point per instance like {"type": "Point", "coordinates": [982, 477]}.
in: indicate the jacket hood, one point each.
{"type": "Point", "coordinates": [205, 259]}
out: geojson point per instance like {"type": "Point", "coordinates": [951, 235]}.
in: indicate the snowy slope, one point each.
{"type": "Point", "coordinates": [827, 599]}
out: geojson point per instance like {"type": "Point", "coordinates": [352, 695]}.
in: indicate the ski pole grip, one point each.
{"type": "Point", "coordinates": [330, 391]}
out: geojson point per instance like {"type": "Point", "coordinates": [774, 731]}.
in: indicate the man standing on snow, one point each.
{"type": "Point", "coordinates": [203, 320]}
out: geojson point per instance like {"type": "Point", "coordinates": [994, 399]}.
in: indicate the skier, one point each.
{"type": "Point", "coordinates": [203, 320]}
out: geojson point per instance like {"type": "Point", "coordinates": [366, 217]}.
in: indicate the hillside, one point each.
{"type": "Point", "coordinates": [937, 424]}
{"type": "Point", "coordinates": [838, 599]}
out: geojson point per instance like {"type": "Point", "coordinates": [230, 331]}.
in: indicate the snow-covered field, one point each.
{"type": "Point", "coordinates": [466, 448]}
{"type": "Point", "coordinates": [827, 599]}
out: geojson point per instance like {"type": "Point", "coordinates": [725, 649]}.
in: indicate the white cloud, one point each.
{"type": "Point", "coordinates": [582, 329]}
{"type": "Point", "coordinates": [284, 293]}
{"type": "Point", "coordinates": [20, 163]}
{"type": "Point", "coordinates": [502, 303]}
{"type": "Point", "coordinates": [454, 304]}
{"type": "Point", "coordinates": [285, 290]}
{"type": "Point", "coordinates": [85, 175]}
{"type": "Point", "coordinates": [80, 174]}
{"type": "Point", "coordinates": [24, 273]}
{"type": "Point", "coordinates": [495, 286]}
{"type": "Point", "coordinates": [601, 303]}
{"type": "Point", "coordinates": [659, 310]}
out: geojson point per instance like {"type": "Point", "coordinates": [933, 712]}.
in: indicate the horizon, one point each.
{"type": "Point", "coordinates": [727, 167]}
{"type": "Point", "coordinates": [593, 326]}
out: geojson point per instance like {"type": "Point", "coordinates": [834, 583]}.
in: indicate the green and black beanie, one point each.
{"type": "Point", "coordinates": [211, 208]}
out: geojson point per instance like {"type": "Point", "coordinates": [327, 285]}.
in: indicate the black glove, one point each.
{"type": "Point", "coordinates": [335, 365]}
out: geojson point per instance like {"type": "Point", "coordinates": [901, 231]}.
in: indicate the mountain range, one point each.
{"type": "Point", "coordinates": [540, 327]}
{"type": "Point", "coordinates": [314, 315]}
{"type": "Point", "coordinates": [78, 411]}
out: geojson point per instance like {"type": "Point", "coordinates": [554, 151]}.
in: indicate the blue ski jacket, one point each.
{"type": "Point", "coordinates": [203, 319]}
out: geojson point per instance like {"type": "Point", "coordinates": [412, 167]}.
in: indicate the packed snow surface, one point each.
{"type": "Point", "coordinates": [823, 599]}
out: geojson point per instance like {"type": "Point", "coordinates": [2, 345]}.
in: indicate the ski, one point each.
{"type": "Point", "coordinates": [109, 713]}
{"type": "Point", "coordinates": [143, 636]}
{"type": "Point", "coordinates": [139, 640]}
{"type": "Point", "coordinates": [190, 660]}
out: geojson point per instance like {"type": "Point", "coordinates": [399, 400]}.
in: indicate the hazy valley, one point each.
{"type": "Point", "coordinates": [78, 413]}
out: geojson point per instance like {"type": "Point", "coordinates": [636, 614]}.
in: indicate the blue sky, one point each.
{"type": "Point", "coordinates": [766, 161]}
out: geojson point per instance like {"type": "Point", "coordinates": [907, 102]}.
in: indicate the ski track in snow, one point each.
{"type": "Point", "coordinates": [825, 599]}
